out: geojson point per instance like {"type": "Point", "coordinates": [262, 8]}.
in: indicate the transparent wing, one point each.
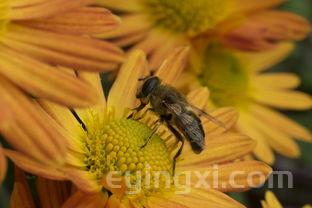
{"type": "Point", "coordinates": [208, 116]}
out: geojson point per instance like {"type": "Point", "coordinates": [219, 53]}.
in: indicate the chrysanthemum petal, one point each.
{"type": "Point", "coordinates": [43, 141]}
{"type": "Point", "coordinates": [199, 97]}
{"type": "Point", "coordinates": [196, 198]}
{"type": "Point", "coordinates": [272, 201]}
{"type": "Point", "coordinates": [223, 148]}
{"type": "Point", "coordinates": [122, 94]}
{"type": "Point", "coordinates": [282, 122]}
{"type": "Point", "coordinates": [284, 99]}
{"type": "Point", "coordinates": [280, 141]}
{"type": "Point", "coordinates": [82, 200]}
{"type": "Point", "coordinates": [226, 115]}
{"type": "Point", "coordinates": [262, 150]}
{"type": "Point", "coordinates": [32, 76]}
{"type": "Point", "coordinates": [32, 166]}
{"type": "Point", "coordinates": [22, 10]}
{"type": "Point", "coordinates": [230, 177]}
{"type": "Point", "coordinates": [84, 180]}
{"type": "Point", "coordinates": [275, 81]}
{"type": "Point", "coordinates": [61, 49]}
{"type": "Point", "coordinates": [172, 67]}
{"type": "Point", "coordinates": [52, 193]}
{"type": "Point", "coordinates": [110, 185]}
{"type": "Point", "coordinates": [128, 26]}
{"type": "Point", "coordinates": [21, 195]}
{"type": "Point", "coordinates": [114, 202]}
{"type": "Point", "coordinates": [81, 21]}
{"type": "Point", "coordinates": [264, 60]}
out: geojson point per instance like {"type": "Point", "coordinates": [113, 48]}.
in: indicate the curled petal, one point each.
{"type": "Point", "coordinates": [81, 200]}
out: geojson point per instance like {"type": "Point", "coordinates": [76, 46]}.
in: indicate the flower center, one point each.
{"type": "Point", "coordinates": [116, 146]}
{"type": "Point", "coordinates": [222, 72]}
{"type": "Point", "coordinates": [189, 17]}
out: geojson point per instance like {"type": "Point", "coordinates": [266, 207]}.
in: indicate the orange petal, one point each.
{"type": "Point", "coordinates": [61, 49]}
{"type": "Point", "coordinates": [122, 94]}
{"type": "Point", "coordinates": [223, 148]}
{"type": "Point", "coordinates": [32, 166]}
{"type": "Point", "coordinates": [21, 195]}
{"type": "Point", "coordinates": [119, 182]}
{"type": "Point", "coordinates": [41, 139]}
{"type": "Point", "coordinates": [81, 21]}
{"type": "Point", "coordinates": [21, 10]}
{"type": "Point", "coordinates": [82, 200]}
{"type": "Point", "coordinates": [119, 5]}
{"type": "Point", "coordinates": [199, 97]}
{"type": "Point", "coordinates": [51, 193]}
{"type": "Point", "coordinates": [42, 80]}
{"type": "Point", "coordinates": [173, 66]}
{"type": "Point", "coordinates": [114, 202]}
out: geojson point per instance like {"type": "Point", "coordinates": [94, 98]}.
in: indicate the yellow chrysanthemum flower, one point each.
{"type": "Point", "coordinates": [238, 79]}
{"type": "Point", "coordinates": [272, 202]}
{"type": "Point", "coordinates": [56, 146]}
{"type": "Point", "coordinates": [157, 26]}
{"type": "Point", "coordinates": [38, 36]}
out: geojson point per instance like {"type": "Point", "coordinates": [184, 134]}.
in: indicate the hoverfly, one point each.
{"type": "Point", "coordinates": [178, 115]}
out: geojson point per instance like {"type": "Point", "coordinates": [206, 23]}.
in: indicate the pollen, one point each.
{"type": "Point", "coordinates": [224, 75]}
{"type": "Point", "coordinates": [187, 17]}
{"type": "Point", "coordinates": [117, 146]}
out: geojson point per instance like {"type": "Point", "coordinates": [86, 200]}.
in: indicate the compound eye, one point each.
{"type": "Point", "coordinates": [150, 85]}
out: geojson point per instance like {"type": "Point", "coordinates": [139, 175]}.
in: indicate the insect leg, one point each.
{"type": "Point", "coordinates": [180, 138]}
{"type": "Point", "coordinates": [155, 128]}
{"type": "Point", "coordinates": [137, 109]}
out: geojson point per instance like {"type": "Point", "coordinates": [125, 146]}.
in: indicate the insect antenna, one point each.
{"type": "Point", "coordinates": [78, 119]}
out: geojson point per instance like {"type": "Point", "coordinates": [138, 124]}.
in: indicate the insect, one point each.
{"type": "Point", "coordinates": [178, 115]}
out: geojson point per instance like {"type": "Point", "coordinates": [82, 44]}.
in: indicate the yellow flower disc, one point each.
{"type": "Point", "coordinates": [189, 17]}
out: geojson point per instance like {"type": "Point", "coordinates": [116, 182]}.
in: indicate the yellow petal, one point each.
{"type": "Point", "coordinates": [264, 60]}
{"type": "Point", "coordinates": [119, 182]}
{"type": "Point", "coordinates": [21, 195]}
{"type": "Point", "coordinates": [262, 150]}
{"type": "Point", "coordinates": [271, 200]}
{"type": "Point", "coordinates": [173, 66]}
{"type": "Point", "coordinates": [280, 141]}
{"type": "Point", "coordinates": [32, 166]}
{"type": "Point", "coordinates": [269, 81]}
{"type": "Point", "coordinates": [196, 198]}
{"type": "Point", "coordinates": [122, 95]}
{"type": "Point", "coordinates": [82, 200]}
{"type": "Point", "coordinates": [230, 177]}
{"type": "Point", "coordinates": [223, 148]}
{"type": "Point", "coordinates": [284, 99]}
{"type": "Point", "coordinates": [51, 193]}
{"type": "Point", "coordinates": [85, 181]}
{"type": "Point", "coordinates": [281, 122]}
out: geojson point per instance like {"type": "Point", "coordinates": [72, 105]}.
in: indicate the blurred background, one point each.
{"type": "Point", "coordinates": [300, 62]}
